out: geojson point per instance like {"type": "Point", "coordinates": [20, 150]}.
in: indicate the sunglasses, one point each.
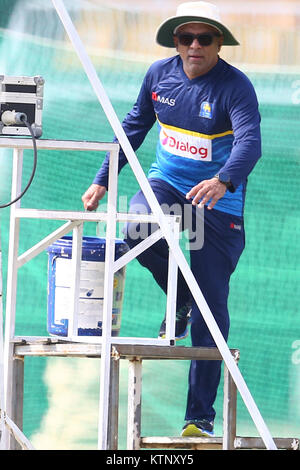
{"type": "Point", "coordinates": [205, 39]}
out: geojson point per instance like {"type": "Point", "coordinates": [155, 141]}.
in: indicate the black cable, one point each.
{"type": "Point", "coordinates": [24, 120]}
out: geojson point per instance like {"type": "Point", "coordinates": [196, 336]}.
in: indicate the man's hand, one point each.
{"type": "Point", "coordinates": [207, 190]}
{"type": "Point", "coordinates": [92, 196]}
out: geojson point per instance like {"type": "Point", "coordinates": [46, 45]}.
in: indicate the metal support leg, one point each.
{"type": "Point", "coordinates": [17, 397]}
{"type": "Point", "coordinates": [113, 417]}
{"type": "Point", "coordinates": [134, 404]}
{"type": "Point", "coordinates": [2, 422]}
{"type": "Point", "coordinates": [229, 411]}
{"type": "Point", "coordinates": [11, 295]}
{"type": "Point", "coordinates": [108, 301]}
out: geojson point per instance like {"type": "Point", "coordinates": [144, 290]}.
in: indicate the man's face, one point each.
{"type": "Point", "coordinates": [198, 60]}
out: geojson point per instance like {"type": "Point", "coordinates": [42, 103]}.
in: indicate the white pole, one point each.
{"type": "Point", "coordinates": [156, 209]}
{"type": "Point", "coordinates": [75, 280]}
{"type": "Point", "coordinates": [172, 285]}
{"type": "Point", "coordinates": [11, 290]}
{"type": "Point", "coordinates": [108, 301]}
{"type": "Point", "coordinates": [2, 415]}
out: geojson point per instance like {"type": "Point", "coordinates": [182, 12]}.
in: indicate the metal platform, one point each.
{"type": "Point", "coordinates": [135, 355]}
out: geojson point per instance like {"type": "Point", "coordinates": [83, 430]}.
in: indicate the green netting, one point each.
{"type": "Point", "coordinates": [61, 395]}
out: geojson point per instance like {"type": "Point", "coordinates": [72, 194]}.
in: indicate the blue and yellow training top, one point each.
{"type": "Point", "coordinates": [205, 125]}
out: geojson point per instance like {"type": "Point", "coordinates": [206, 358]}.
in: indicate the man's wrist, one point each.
{"type": "Point", "coordinates": [224, 178]}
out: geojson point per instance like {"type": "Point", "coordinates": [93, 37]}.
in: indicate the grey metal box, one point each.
{"type": "Point", "coordinates": [22, 95]}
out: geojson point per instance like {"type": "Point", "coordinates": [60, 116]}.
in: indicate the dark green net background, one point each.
{"type": "Point", "coordinates": [264, 297]}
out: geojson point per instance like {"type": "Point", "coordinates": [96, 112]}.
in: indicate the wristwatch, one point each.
{"type": "Point", "coordinates": [224, 178]}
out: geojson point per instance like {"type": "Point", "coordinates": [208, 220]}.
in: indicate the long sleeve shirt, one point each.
{"type": "Point", "coordinates": [205, 125]}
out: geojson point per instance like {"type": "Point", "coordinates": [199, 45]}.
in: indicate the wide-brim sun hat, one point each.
{"type": "Point", "coordinates": [193, 12]}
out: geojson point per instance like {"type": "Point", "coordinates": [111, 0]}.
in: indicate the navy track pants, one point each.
{"type": "Point", "coordinates": [216, 242]}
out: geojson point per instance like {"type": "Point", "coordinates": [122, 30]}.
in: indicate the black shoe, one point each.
{"type": "Point", "coordinates": [198, 427]}
{"type": "Point", "coordinates": [183, 319]}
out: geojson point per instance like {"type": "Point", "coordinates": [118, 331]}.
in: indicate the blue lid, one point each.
{"type": "Point", "coordinates": [90, 245]}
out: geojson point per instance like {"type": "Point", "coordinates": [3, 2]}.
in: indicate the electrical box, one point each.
{"type": "Point", "coordinates": [22, 95]}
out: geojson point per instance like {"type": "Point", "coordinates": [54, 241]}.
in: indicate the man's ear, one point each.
{"type": "Point", "coordinates": [175, 39]}
{"type": "Point", "coordinates": [221, 40]}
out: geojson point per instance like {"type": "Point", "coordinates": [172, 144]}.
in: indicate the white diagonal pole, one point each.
{"type": "Point", "coordinates": [156, 209]}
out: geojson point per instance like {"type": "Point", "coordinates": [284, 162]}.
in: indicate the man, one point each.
{"type": "Point", "coordinates": [209, 142]}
